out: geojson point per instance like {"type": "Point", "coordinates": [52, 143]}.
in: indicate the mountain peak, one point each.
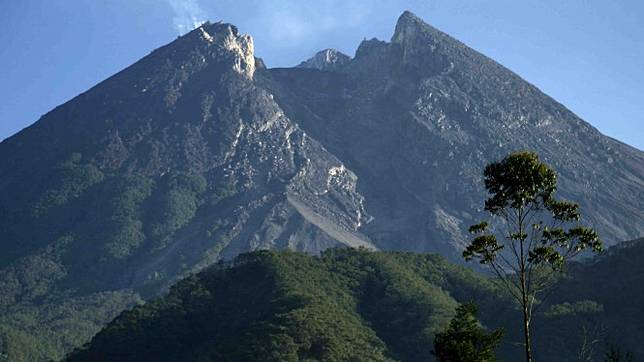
{"type": "Point", "coordinates": [226, 37]}
{"type": "Point", "coordinates": [327, 59]}
{"type": "Point", "coordinates": [408, 25]}
{"type": "Point", "coordinates": [409, 16]}
{"type": "Point", "coordinates": [422, 46]}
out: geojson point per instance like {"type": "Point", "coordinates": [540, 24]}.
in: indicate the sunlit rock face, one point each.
{"type": "Point", "coordinates": [240, 46]}
{"type": "Point", "coordinates": [419, 117]}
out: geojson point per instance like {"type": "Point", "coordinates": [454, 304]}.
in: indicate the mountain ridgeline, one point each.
{"type": "Point", "coordinates": [198, 152]}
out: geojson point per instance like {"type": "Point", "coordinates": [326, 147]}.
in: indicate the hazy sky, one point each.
{"type": "Point", "coordinates": [587, 54]}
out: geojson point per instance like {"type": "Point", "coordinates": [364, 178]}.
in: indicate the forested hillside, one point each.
{"type": "Point", "coordinates": [361, 305]}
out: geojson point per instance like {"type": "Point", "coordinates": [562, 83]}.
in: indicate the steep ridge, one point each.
{"type": "Point", "coordinates": [164, 168]}
{"type": "Point", "coordinates": [419, 117]}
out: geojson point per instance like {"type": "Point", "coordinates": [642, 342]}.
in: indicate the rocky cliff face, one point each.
{"type": "Point", "coordinates": [418, 118]}
{"type": "Point", "coordinates": [197, 153]}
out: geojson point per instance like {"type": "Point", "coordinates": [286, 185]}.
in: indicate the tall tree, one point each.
{"type": "Point", "coordinates": [464, 340]}
{"type": "Point", "coordinates": [534, 234]}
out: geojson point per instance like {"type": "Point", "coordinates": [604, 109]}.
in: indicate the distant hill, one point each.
{"type": "Point", "coordinates": [197, 153]}
{"type": "Point", "coordinates": [359, 305]}
{"type": "Point", "coordinates": [286, 306]}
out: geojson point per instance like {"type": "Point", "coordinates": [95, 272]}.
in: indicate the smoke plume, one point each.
{"type": "Point", "coordinates": [187, 15]}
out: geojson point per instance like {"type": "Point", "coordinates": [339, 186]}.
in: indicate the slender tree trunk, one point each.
{"type": "Point", "coordinates": [526, 331]}
{"type": "Point", "coordinates": [524, 289]}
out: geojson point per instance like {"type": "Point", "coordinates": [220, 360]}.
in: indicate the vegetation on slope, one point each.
{"type": "Point", "coordinates": [464, 340]}
{"type": "Point", "coordinates": [54, 296]}
{"type": "Point", "coordinates": [359, 305]}
{"type": "Point", "coordinates": [344, 305]}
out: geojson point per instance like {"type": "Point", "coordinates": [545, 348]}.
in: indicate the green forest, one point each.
{"type": "Point", "coordinates": [357, 305]}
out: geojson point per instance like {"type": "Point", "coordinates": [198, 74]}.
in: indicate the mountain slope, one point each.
{"type": "Point", "coordinates": [198, 153]}
{"type": "Point", "coordinates": [287, 306]}
{"type": "Point", "coordinates": [164, 168]}
{"type": "Point", "coordinates": [613, 280]}
{"type": "Point", "coordinates": [419, 117]}
{"type": "Point", "coordinates": [358, 305]}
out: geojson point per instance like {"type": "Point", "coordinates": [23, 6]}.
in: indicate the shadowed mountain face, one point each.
{"type": "Point", "coordinates": [197, 152]}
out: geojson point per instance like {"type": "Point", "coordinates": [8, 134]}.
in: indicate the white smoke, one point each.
{"type": "Point", "coordinates": [187, 15]}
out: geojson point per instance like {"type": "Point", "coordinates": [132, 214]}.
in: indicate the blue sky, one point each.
{"type": "Point", "coordinates": [587, 54]}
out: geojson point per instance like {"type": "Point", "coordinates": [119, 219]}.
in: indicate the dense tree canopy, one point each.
{"type": "Point", "coordinates": [464, 340]}
{"type": "Point", "coordinates": [370, 305]}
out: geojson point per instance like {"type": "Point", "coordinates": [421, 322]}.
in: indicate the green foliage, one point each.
{"type": "Point", "coordinates": [464, 340]}
{"type": "Point", "coordinates": [174, 204]}
{"type": "Point", "coordinates": [519, 179]}
{"type": "Point", "coordinates": [289, 306]}
{"type": "Point", "coordinates": [521, 189]}
{"type": "Point", "coordinates": [483, 247]}
{"type": "Point", "coordinates": [124, 231]}
{"type": "Point", "coordinates": [69, 264]}
{"type": "Point", "coordinates": [347, 305]}
{"type": "Point", "coordinates": [579, 307]}
{"type": "Point", "coordinates": [70, 180]}
{"type": "Point", "coordinates": [33, 277]}
{"type": "Point", "coordinates": [405, 309]}
{"type": "Point", "coordinates": [604, 292]}
{"type": "Point", "coordinates": [527, 253]}
{"type": "Point", "coordinates": [24, 337]}
{"type": "Point", "coordinates": [353, 304]}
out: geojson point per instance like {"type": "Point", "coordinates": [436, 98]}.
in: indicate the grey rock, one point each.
{"type": "Point", "coordinates": [418, 118]}
{"type": "Point", "coordinates": [327, 59]}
